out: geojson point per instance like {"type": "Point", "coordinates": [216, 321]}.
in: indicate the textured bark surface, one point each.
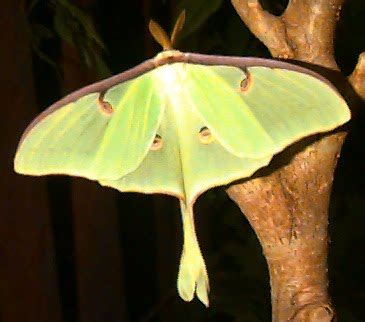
{"type": "Point", "coordinates": [287, 203]}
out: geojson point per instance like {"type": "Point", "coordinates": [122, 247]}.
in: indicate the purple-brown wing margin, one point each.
{"type": "Point", "coordinates": [192, 58]}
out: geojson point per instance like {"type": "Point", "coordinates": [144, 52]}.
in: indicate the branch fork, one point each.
{"type": "Point", "coordinates": [287, 205]}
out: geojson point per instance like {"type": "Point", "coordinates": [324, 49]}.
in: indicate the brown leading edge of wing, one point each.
{"type": "Point", "coordinates": [170, 57]}
{"type": "Point", "coordinates": [243, 62]}
{"type": "Point", "coordinates": [98, 87]}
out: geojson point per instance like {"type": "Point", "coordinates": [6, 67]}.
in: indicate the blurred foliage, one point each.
{"type": "Point", "coordinates": [70, 24]}
{"type": "Point", "coordinates": [236, 266]}
{"type": "Point", "coordinates": [218, 30]}
{"type": "Point", "coordinates": [197, 13]}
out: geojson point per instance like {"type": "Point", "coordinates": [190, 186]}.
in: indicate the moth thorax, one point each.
{"type": "Point", "coordinates": [170, 78]}
{"type": "Point", "coordinates": [157, 143]}
{"type": "Point", "coordinates": [205, 136]}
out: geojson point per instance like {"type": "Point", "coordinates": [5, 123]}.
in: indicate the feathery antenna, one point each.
{"type": "Point", "coordinates": [160, 35]}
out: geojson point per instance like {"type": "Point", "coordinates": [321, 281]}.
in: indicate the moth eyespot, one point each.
{"type": "Point", "coordinates": [205, 136]}
{"type": "Point", "coordinates": [157, 143]}
{"type": "Point", "coordinates": [105, 107]}
{"type": "Point", "coordinates": [245, 84]}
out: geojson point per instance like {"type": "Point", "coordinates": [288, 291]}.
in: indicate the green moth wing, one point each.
{"type": "Point", "coordinates": [180, 124]}
{"type": "Point", "coordinates": [267, 109]}
{"type": "Point", "coordinates": [91, 136]}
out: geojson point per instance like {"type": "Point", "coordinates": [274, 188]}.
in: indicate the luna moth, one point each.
{"type": "Point", "coordinates": [179, 124]}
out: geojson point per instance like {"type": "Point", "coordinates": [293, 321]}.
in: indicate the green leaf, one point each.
{"type": "Point", "coordinates": [75, 27]}
{"type": "Point", "coordinates": [83, 20]}
{"type": "Point", "coordinates": [63, 25]}
{"type": "Point", "coordinates": [101, 67]}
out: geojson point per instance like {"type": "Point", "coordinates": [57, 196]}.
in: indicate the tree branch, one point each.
{"type": "Point", "coordinates": [287, 203]}
{"type": "Point", "coordinates": [304, 32]}
{"type": "Point", "coordinates": [357, 78]}
{"type": "Point", "coordinates": [265, 26]}
{"type": "Point", "coordinates": [287, 208]}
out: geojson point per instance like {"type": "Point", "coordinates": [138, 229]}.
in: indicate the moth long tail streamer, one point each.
{"type": "Point", "coordinates": [193, 276]}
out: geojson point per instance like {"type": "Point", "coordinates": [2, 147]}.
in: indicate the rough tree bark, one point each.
{"type": "Point", "coordinates": [287, 203]}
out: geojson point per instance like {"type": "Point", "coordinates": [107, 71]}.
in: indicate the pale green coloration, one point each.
{"type": "Point", "coordinates": [79, 140]}
{"type": "Point", "coordinates": [193, 273]}
{"type": "Point", "coordinates": [176, 101]}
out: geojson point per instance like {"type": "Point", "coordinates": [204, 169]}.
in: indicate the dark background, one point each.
{"type": "Point", "coordinates": [71, 251]}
